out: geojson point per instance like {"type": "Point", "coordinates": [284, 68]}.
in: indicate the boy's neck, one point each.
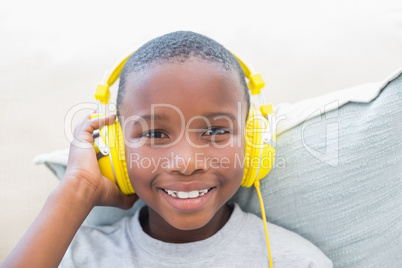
{"type": "Point", "coordinates": [155, 226]}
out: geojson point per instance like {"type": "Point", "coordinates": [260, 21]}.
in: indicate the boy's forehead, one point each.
{"type": "Point", "coordinates": [191, 86]}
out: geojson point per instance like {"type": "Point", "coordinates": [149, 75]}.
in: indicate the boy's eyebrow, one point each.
{"type": "Point", "coordinates": [211, 115]}
{"type": "Point", "coordinates": [149, 117]}
{"type": "Point", "coordinates": [154, 117]}
{"type": "Point", "coordinates": [214, 115]}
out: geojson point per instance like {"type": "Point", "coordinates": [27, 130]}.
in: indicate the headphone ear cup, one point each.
{"type": "Point", "coordinates": [259, 156]}
{"type": "Point", "coordinates": [119, 157]}
{"type": "Point", "coordinates": [113, 166]}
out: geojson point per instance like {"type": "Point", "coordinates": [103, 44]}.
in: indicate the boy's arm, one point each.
{"type": "Point", "coordinates": [48, 238]}
{"type": "Point", "coordinates": [83, 187]}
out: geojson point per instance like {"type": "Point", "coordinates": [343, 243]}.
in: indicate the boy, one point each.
{"type": "Point", "coordinates": [178, 100]}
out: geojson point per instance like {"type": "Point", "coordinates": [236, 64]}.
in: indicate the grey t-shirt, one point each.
{"type": "Point", "coordinates": [240, 243]}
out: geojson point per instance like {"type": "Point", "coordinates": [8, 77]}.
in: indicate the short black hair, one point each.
{"type": "Point", "coordinates": [179, 47]}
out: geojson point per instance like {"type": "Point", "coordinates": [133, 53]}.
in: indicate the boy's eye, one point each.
{"type": "Point", "coordinates": [216, 131]}
{"type": "Point", "coordinates": [154, 134]}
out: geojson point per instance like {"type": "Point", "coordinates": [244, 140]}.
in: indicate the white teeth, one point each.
{"type": "Point", "coordinates": [172, 193]}
{"type": "Point", "coordinates": [182, 195]}
{"type": "Point", "coordinates": [193, 194]}
{"type": "Point", "coordinates": [185, 195]}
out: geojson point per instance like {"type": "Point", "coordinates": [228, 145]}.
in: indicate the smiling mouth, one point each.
{"type": "Point", "coordinates": [186, 195]}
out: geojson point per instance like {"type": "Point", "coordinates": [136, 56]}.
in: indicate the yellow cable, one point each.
{"type": "Point", "coordinates": [257, 187]}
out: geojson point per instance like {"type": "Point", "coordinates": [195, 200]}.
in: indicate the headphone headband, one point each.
{"type": "Point", "coordinates": [102, 93]}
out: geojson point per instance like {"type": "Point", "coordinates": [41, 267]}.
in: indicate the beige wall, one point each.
{"type": "Point", "coordinates": [52, 55]}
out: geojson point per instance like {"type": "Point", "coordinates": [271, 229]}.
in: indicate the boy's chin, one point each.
{"type": "Point", "coordinates": [189, 223]}
{"type": "Point", "coordinates": [203, 221]}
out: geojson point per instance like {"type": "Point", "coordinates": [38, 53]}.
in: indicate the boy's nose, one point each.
{"type": "Point", "coordinates": [187, 160]}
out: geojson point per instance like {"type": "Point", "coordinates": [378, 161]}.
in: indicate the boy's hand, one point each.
{"type": "Point", "coordinates": [83, 170]}
{"type": "Point", "coordinates": [83, 187]}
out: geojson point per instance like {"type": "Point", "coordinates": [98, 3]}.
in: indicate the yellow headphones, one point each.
{"type": "Point", "coordinates": [260, 136]}
{"type": "Point", "coordinates": [260, 139]}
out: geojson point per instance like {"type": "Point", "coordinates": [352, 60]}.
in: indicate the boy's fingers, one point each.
{"type": "Point", "coordinates": [108, 194]}
{"type": "Point", "coordinates": [83, 131]}
{"type": "Point", "coordinates": [83, 138]}
{"type": "Point", "coordinates": [88, 124]}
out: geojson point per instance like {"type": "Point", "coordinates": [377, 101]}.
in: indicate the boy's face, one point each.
{"type": "Point", "coordinates": [184, 130]}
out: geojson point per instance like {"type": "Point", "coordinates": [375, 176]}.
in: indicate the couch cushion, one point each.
{"type": "Point", "coordinates": [337, 181]}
